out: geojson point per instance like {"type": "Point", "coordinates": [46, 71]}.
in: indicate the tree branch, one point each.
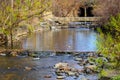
{"type": "Point", "coordinates": [29, 16]}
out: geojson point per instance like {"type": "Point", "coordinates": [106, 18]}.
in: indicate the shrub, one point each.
{"type": "Point", "coordinates": [109, 43]}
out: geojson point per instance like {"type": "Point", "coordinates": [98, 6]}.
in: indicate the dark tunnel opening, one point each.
{"type": "Point", "coordinates": [81, 12]}
{"type": "Point", "coordinates": [89, 12]}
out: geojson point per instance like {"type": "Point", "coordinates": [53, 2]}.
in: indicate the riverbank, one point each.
{"type": "Point", "coordinates": [13, 52]}
{"type": "Point", "coordinates": [40, 46]}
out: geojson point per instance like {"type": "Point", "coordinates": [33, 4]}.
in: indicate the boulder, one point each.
{"type": "Point", "coordinates": [60, 65]}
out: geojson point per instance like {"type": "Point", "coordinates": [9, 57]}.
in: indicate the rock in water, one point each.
{"type": "Point", "coordinates": [78, 59]}
{"type": "Point", "coordinates": [70, 73]}
{"type": "Point", "coordinates": [2, 54]}
{"type": "Point", "coordinates": [28, 68]}
{"type": "Point", "coordinates": [8, 67]}
{"type": "Point", "coordinates": [47, 76]}
{"type": "Point", "coordinates": [14, 53]}
{"type": "Point", "coordinates": [91, 67]}
{"type": "Point", "coordinates": [37, 58]}
{"type": "Point", "coordinates": [59, 65]}
{"type": "Point", "coordinates": [60, 77]}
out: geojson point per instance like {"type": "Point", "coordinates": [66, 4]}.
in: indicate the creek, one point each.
{"type": "Point", "coordinates": [59, 40]}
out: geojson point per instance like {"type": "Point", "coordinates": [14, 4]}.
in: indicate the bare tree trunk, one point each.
{"type": "Point", "coordinates": [11, 38]}
{"type": "Point", "coordinates": [11, 30]}
{"type": "Point", "coordinates": [6, 41]}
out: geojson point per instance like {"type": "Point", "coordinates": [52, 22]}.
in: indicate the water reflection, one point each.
{"type": "Point", "coordinates": [62, 40]}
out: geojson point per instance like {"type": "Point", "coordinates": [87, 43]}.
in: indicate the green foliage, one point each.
{"type": "Point", "coordinates": [116, 77]}
{"type": "Point", "coordinates": [100, 61]}
{"type": "Point", "coordinates": [12, 14]}
{"type": "Point", "coordinates": [114, 26]}
{"type": "Point", "coordinates": [30, 28]}
{"type": "Point", "coordinates": [103, 73]}
{"type": "Point", "coordinates": [109, 44]}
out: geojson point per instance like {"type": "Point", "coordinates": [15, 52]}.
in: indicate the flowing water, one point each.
{"type": "Point", "coordinates": [79, 40]}
{"type": "Point", "coordinates": [14, 68]}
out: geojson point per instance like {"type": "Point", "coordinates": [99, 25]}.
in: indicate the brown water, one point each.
{"type": "Point", "coordinates": [62, 40]}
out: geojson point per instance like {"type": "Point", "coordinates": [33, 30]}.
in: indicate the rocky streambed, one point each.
{"type": "Point", "coordinates": [29, 65]}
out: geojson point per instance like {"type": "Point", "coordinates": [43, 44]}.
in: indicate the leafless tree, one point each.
{"type": "Point", "coordinates": [63, 8]}
{"type": "Point", "coordinates": [106, 8]}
